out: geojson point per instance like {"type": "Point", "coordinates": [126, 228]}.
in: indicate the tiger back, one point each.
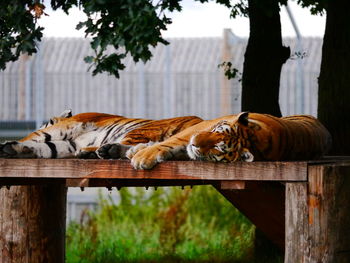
{"type": "Point", "coordinates": [83, 134]}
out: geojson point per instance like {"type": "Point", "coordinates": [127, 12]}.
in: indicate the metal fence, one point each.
{"type": "Point", "coordinates": [181, 79]}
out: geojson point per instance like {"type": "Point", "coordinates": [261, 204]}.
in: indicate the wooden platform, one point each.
{"type": "Point", "coordinates": [78, 172]}
{"type": "Point", "coordinates": [304, 207]}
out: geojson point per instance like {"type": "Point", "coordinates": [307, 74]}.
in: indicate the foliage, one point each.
{"type": "Point", "coordinates": [317, 7]}
{"type": "Point", "coordinates": [229, 71]}
{"type": "Point", "coordinates": [18, 30]}
{"type": "Point", "coordinates": [167, 225]}
{"type": "Point", "coordinates": [133, 25]}
{"type": "Point", "coordinates": [116, 28]}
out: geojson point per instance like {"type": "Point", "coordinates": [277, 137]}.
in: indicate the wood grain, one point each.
{"type": "Point", "coordinates": [182, 170]}
{"type": "Point", "coordinates": [296, 229]}
{"type": "Point", "coordinates": [318, 216]}
{"type": "Point", "coordinates": [302, 206]}
{"type": "Point", "coordinates": [32, 224]}
{"type": "Point", "coordinates": [329, 213]}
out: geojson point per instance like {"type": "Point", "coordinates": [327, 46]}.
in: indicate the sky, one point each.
{"type": "Point", "coordinates": [195, 20]}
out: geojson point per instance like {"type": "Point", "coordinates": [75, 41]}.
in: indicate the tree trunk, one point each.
{"type": "Point", "coordinates": [262, 67]}
{"type": "Point", "coordinates": [334, 80]}
{"type": "Point", "coordinates": [264, 58]}
{"type": "Point", "coordinates": [32, 224]}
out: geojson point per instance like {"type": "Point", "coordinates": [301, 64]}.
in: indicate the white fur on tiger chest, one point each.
{"type": "Point", "coordinates": [97, 137]}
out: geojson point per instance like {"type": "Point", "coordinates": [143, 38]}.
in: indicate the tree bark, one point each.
{"type": "Point", "coordinates": [262, 67]}
{"type": "Point", "coordinates": [264, 58]}
{"type": "Point", "coordinates": [32, 224]}
{"type": "Point", "coordinates": [334, 80]}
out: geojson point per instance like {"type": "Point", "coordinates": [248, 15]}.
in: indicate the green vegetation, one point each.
{"type": "Point", "coordinates": [166, 225]}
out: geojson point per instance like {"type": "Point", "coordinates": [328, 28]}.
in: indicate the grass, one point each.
{"type": "Point", "coordinates": [167, 225]}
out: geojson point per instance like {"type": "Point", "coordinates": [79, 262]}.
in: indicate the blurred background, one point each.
{"type": "Point", "coordinates": [182, 78]}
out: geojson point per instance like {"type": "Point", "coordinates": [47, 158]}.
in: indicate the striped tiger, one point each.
{"type": "Point", "coordinates": [242, 137]}
{"type": "Point", "coordinates": [94, 135]}
{"type": "Point", "coordinates": [261, 137]}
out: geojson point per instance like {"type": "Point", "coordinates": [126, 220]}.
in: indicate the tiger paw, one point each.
{"type": "Point", "coordinates": [135, 149]}
{"type": "Point", "coordinates": [14, 149]}
{"type": "Point", "coordinates": [112, 151]}
{"type": "Point", "coordinates": [6, 150]}
{"type": "Point", "coordinates": [149, 157]}
{"type": "Point", "coordinates": [86, 155]}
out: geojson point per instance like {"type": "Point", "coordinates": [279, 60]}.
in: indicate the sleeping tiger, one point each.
{"type": "Point", "coordinates": [242, 137]}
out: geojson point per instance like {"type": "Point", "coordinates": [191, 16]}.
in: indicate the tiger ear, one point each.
{"type": "Point", "coordinates": [243, 118]}
{"type": "Point", "coordinates": [66, 114]}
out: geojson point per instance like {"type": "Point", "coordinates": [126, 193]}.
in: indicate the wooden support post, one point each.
{"type": "Point", "coordinates": [32, 224]}
{"type": "Point", "coordinates": [296, 222]}
{"type": "Point", "coordinates": [318, 216]}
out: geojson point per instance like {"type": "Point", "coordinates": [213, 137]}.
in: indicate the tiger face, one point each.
{"type": "Point", "coordinates": [224, 143]}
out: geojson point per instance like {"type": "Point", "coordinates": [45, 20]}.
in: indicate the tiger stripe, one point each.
{"type": "Point", "coordinates": [241, 137]}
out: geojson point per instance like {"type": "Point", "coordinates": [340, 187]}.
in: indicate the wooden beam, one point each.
{"type": "Point", "coordinates": [263, 204]}
{"type": "Point", "coordinates": [232, 185]}
{"type": "Point", "coordinates": [180, 170]}
{"type": "Point", "coordinates": [296, 223]}
{"type": "Point", "coordinates": [134, 182]}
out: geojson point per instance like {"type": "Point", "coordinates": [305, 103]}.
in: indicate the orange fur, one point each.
{"type": "Point", "coordinates": [229, 138]}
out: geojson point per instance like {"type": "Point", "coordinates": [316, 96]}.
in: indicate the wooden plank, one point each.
{"type": "Point", "coordinates": [118, 183]}
{"type": "Point", "coordinates": [339, 160]}
{"type": "Point", "coordinates": [329, 213]}
{"type": "Point", "coordinates": [32, 224]}
{"type": "Point", "coordinates": [182, 170]}
{"type": "Point", "coordinates": [296, 226]}
{"type": "Point", "coordinates": [263, 204]}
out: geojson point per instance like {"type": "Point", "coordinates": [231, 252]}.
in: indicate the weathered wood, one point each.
{"type": "Point", "coordinates": [134, 182]}
{"type": "Point", "coordinates": [315, 200]}
{"type": "Point", "coordinates": [318, 216]}
{"type": "Point", "coordinates": [329, 213]}
{"type": "Point", "coordinates": [32, 224]}
{"type": "Point", "coordinates": [296, 229]}
{"type": "Point", "coordinates": [182, 170]}
{"type": "Point", "coordinates": [263, 204]}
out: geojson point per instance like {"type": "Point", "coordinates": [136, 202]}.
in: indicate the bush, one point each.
{"type": "Point", "coordinates": [166, 225]}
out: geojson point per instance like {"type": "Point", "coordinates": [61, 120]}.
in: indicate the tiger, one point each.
{"type": "Point", "coordinates": [242, 137]}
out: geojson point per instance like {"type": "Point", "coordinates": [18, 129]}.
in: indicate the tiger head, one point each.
{"type": "Point", "coordinates": [227, 141]}
{"type": "Point", "coordinates": [53, 120]}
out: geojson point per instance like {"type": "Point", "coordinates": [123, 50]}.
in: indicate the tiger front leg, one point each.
{"type": "Point", "coordinates": [113, 151]}
{"type": "Point", "coordinates": [106, 151]}
{"type": "Point", "coordinates": [14, 149]}
{"type": "Point", "coordinates": [148, 157]}
{"type": "Point", "coordinates": [87, 153]}
{"type": "Point", "coordinates": [120, 151]}
{"type": "Point", "coordinates": [31, 149]}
